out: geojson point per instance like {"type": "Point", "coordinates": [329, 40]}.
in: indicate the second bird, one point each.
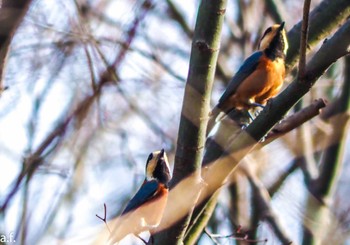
{"type": "Point", "coordinates": [145, 210]}
{"type": "Point", "coordinates": [259, 78]}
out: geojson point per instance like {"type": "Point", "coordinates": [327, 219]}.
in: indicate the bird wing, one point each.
{"type": "Point", "coordinates": [147, 190]}
{"type": "Point", "coordinates": [247, 68]}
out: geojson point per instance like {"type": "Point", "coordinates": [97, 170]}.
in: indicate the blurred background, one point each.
{"type": "Point", "coordinates": [94, 86]}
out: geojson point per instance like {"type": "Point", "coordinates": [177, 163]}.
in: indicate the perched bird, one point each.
{"type": "Point", "coordinates": [259, 78]}
{"type": "Point", "coordinates": [145, 210]}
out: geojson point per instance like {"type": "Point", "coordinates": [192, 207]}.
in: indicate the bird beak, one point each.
{"type": "Point", "coordinates": [281, 26]}
{"type": "Point", "coordinates": [161, 154]}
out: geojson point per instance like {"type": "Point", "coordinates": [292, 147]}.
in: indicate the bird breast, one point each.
{"type": "Point", "coordinates": [264, 83]}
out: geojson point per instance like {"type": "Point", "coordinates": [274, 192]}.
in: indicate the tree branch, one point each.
{"type": "Point", "coordinates": [195, 108]}
{"type": "Point", "coordinates": [303, 39]}
{"type": "Point", "coordinates": [320, 26]}
{"type": "Point", "coordinates": [295, 120]}
{"type": "Point", "coordinates": [262, 200]}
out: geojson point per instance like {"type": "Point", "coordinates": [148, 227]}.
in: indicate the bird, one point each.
{"type": "Point", "coordinates": [145, 209]}
{"type": "Point", "coordinates": [259, 78]}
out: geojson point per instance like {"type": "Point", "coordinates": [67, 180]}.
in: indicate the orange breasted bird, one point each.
{"type": "Point", "coordinates": [145, 210]}
{"type": "Point", "coordinates": [260, 77]}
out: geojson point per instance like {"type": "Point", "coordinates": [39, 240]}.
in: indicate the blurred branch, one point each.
{"type": "Point", "coordinates": [214, 237]}
{"type": "Point", "coordinates": [195, 108]}
{"type": "Point", "coordinates": [23, 225]}
{"type": "Point", "coordinates": [274, 7]}
{"type": "Point", "coordinates": [264, 210]}
{"type": "Point", "coordinates": [32, 162]}
{"type": "Point", "coordinates": [176, 15]}
{"type": "Point", "coordinates": [234, 208]}
{"type": "Point", "coordinates": [110, 75]}
{"type": "Point", "coordinates": [131, 32]}
{"type": "Point", "coordinates": [325, 18]}
{"type": "Point", "coordinates": [12, 13]}
{"type": "Point", "coordinates": [331, 164]}
{"type": "Point", "coordinates": [294, 165]}
{"type": "Point", "coordinates": [152, 56]}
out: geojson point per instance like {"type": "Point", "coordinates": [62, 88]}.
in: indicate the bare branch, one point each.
{"type": "Point", "coordinates": [295, 120]}
{"type": "Point", "coordinates": [303, 39]}
{"type": "Point", "coordinates": [104, 219]}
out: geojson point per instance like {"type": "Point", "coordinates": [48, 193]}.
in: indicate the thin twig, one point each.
{"type": "Point", "coordinates": [296, 120]}
{"type": "Point", "coordinates": [262, 200]}
{"type": "Point", "coordinates": [211, 236]}
{"type": "Point", "coordinates": [176, 15]}
{"type": "Point", "coordinates": [111, 75]}
{"type": "Point", "coordinates": [143, 240]}
{"type": "Point", "coordinates": [303, 40]}
{"type": "Point", "coordinates": [232, 236]}
{"type": "Point", "coordinates": [146, 6]}
{"type": "Point", "coordinates": [104, 219]}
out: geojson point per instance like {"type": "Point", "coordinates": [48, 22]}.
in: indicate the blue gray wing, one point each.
{"type": "Point", "coordinates": [146, 191]}
{"type": "Point", "coordinates": [247, 68]}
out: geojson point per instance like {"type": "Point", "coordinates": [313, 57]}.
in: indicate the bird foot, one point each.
{"type": "Point", "coordinates": [256, 113]}
{"type": "Point", "coordinates": [244, 126]}
{"type": "Point", "coordinates": [257, 105]}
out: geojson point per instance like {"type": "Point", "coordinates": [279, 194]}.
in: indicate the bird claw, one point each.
{"type": "Point", "coordinates": [244, 126]}
{"type": "Point", "coordinates": [257, 105]}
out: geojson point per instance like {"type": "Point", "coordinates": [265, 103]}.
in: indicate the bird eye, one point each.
{"type": "Point", "coordinates": [149, 157]}
{"type": "Point", "coordinates": [267, 30]}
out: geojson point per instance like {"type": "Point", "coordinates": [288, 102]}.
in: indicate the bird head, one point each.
{"type": "Point", "coordinates": [274, 41]}
{"type": "Point", "coordinates": [157, 167]}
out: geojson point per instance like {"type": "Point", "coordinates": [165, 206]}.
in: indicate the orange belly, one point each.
{"type": "Point", "coordinates": [264, 83]}
{"type": "Point", "coordinates": [152, 211]}
{"type": "Point", "coordinates": [145, 218]}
